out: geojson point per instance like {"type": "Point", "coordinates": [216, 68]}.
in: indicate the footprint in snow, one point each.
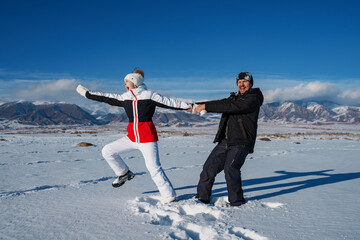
{"type": "Point", "coordinates": [272, 204]}
{"type": "Point", "coordinates": [191, 219]}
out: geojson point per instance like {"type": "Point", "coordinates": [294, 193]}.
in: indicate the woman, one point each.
{"type": "Point", "coordinates": [139, 104]}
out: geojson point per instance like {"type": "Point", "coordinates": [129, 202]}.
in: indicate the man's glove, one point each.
{"type": "Point", "coordinates": [82, 90]}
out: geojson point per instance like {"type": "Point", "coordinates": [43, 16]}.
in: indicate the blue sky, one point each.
{"type": "Point", "coordinates": [188, 49]}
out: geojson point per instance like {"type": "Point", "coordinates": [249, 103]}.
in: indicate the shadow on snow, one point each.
{"type": "Point", "coordinates": [324, 178]}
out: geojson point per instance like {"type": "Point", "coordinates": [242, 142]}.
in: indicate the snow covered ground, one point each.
{"type": "Point", "coordinates": [297, 188]}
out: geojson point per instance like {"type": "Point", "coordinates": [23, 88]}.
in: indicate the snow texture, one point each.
{"type": "Point", "coordinates": [50, 188]}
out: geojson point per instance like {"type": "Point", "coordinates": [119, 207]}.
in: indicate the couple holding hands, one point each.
{"type": "Point", "coordinates": [235, 137]}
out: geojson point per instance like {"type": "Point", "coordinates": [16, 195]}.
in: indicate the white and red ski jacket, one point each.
{"type": "Point", "coordinates": [139, 105]}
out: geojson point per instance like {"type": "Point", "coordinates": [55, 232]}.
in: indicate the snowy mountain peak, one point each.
{"type": "Point", "coordinates": [311, 112]}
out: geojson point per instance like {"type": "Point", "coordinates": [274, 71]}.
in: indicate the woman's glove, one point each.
{"type": "Point", "coordinates": [82, 90]}
{"type": "Point", "coordinates": [202, 112]}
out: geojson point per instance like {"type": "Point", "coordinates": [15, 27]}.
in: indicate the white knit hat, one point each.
{"type": "Point", "coordinates": [136, 78]}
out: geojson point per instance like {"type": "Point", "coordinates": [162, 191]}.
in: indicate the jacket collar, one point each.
{"type": "Point", "coordinates": [139, 89]}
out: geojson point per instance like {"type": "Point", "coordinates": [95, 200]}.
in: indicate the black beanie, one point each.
{"type": "Point", "coordinates": [247, 76]}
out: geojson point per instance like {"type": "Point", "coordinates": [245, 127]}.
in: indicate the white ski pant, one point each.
{"type": "Point", "coordinates": [150, 153]}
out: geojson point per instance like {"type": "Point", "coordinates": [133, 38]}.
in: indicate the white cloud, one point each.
{"type": "Point", "coordinates": [313, 90]}
{"type": "Point", "coordinates": [350, 97]}
{"type": "Point", "coordinates": [48, 90]}
{"type": "Point", "coordinates": [10, 75]}
{"type": "Point", "coordinates": [275, 88]}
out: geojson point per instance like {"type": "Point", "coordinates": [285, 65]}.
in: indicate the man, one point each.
{"type": "Point", "coordinates": [236, 137]}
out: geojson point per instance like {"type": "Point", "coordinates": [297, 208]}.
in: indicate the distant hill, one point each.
{"type": "Point", "coordinates": [46, 114]}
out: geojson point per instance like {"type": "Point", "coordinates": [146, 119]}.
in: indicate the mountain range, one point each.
{"type": "Point", "coordinates": [309, 112]}
{"type": "Point", "coordinates": [28, 113]}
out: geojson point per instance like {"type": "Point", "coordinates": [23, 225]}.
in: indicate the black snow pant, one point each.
{"type": "Point", "coordinates": [227, 158]}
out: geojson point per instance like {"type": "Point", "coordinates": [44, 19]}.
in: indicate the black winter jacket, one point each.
{"type": "Point", "coordinates": [240, 113]}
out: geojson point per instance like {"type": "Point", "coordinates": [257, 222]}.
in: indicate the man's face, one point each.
{"type": "Point", "coordinates": [243, 85]}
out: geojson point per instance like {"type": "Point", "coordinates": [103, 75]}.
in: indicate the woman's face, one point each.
{"type": "Point", "coordinates": [129, 85]}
